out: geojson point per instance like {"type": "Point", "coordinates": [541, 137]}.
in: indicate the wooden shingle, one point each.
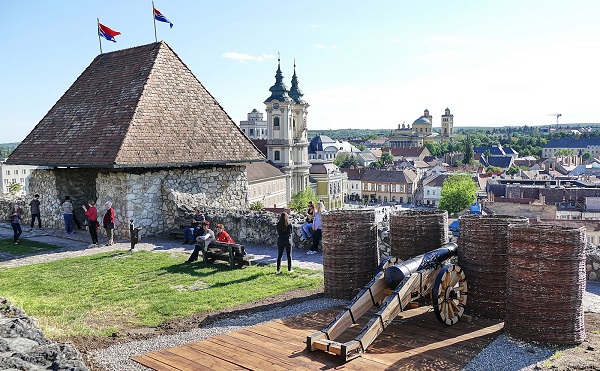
{"type": "Point", "coordinates": [138, 107]}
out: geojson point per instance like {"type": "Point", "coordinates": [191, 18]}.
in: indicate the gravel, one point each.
{"type": "Point", "coordinates": [507, 354]}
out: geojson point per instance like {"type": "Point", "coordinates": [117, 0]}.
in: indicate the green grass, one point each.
{"type": "Point", "coordinates": [114, 291]}
{"type": "Point", "coordinates": [25, 247]}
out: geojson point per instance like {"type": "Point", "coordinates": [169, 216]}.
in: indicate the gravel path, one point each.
{"type": "Point", "coordinates": [514, 355]}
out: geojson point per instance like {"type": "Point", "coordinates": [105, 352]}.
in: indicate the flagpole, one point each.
{"type": "Point", "coordinates": [97, 28]}
{"type": "Point", "coordinates": [154, 19]}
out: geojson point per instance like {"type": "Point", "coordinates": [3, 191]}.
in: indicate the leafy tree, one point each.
{"type": "Point", "coordinates": [256, 206]}
{"type": "Point", "coordinates": [377, 164]}
{"type": "Point", "coordinates": [387, 158]}
{"type": "Point", "coordinates": [493, 170]}
{"type": "Point", "coordinates": [586, 156]}
{"type": "Point", "coordinates": [300, 200]}
{"type": "Point", "coordinates": [14, 188]}
{"type": "Point", "coordinates": [564, 152]}
{"type": "Point", "coordinates": [468, 150]}
{"type": "Point", "coordinates": [515, 169]}
{"type": "Point", "coordinates": [458, 192]}
{"type": "Point", "coordinates": [345, 160]}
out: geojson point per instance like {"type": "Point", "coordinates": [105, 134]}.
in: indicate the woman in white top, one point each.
{"type": "Point", "coordinates": [317, 228]}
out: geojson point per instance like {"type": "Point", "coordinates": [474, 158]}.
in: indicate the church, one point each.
{"type": "Point", "coordinates": [422, 131]}
{"type": "Point", "coordinates": [286, 142]}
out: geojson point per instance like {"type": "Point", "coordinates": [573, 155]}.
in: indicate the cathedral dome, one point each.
{"type": "Point", "coordinates": [421, 121]}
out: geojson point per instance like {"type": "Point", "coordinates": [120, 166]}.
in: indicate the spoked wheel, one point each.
{"type": "Point", "coordinates": [449, 294]}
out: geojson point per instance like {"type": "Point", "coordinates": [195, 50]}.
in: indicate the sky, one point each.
{"type": "Point", "coordinates": [361, 64]}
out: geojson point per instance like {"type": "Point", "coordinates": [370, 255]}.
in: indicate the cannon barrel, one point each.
{"type": "Point", "coordinates": [396, 273]}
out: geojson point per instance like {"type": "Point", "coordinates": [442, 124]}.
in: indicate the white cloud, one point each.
{"type": "Point", "coordinates": [242, 57]}
{"type": "Point", "coordinates": [319, 46]}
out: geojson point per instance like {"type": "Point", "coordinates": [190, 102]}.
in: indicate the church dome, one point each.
{"type": "Point", "coordinates": [421, 121]}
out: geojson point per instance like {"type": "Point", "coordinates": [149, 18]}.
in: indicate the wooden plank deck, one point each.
{"type": "Point", "coordinates": [415, 341]}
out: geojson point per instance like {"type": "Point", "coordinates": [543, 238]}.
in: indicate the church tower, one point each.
{"type": "Point", "coordinates": [428, 116]}
{"type": "Point", "coordinates": [287, 144]}
{"type": "Point", "coordinates": [447, 125]}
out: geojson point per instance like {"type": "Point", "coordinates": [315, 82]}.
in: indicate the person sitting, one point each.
{"type": "Point", "coordinates": [207, 237]}
{"type": "Point", "coordinates": [222, 235]}
{"type": "Point", "coordinates": [305, 229]}
{"type": "Point", "coordinates": [189, 233]}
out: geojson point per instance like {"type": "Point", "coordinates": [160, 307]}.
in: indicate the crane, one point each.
{"type": "Point", "coordinates": [557, 116]}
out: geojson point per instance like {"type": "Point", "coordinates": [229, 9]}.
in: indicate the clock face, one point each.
{"type": "Point", "coordinates": [276, 105]}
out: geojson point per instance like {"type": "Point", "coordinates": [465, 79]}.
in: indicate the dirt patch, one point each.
{"type": "Point", "coordinates": [585, 356]}
{"type": "Point", "coordinates": [86, 344]}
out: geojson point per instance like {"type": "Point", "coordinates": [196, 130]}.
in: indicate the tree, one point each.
{"type": "Point", "coordinates": [14, 188]}
{"type": "Point", "coordinates": [468, 148]}
{"type": "Point", "coordinates": [493, 170]}
{"type": "Point", "coordinates": [256, 206]}
{"type": "Point", "coordinates": [564, 152]}
{"type": "Point", "coordinates": [458, 192]}
{"type": "Point", "coordinates": [387, 158]}
{"type": "Point", "coordinates": [586, 156]}
{"type": "Point", "coordinates": [345, 160]}
{"type": "Point", "coordinates": [300, 200]}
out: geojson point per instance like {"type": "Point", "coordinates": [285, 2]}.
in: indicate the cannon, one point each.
{"type": "Point", "coordinates": [427, 277]}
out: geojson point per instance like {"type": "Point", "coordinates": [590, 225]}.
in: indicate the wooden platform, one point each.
{"type": "Point", "coordinates": [415, 341]}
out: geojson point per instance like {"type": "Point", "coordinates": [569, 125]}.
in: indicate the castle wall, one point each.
{"type": "Point", "coordinates": [149, 197]}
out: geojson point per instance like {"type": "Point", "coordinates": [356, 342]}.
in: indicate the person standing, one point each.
{"type": "Point", "coordinates": [67, 208]}
{"type": "Point", "coordinates": [284, 234]}
{"type": "Point", "coordinates": [34, 208]}
{"type": "Point", "coordinates": [317, 228]}
{"type": "Point", "coordinates": [15, 221]}
{"type": "Point", "coordinates": [207, 238]}
{"type": "Point", "coordinates": [92, 215]}
{"type": "Point", "coordinates": [109, 222]}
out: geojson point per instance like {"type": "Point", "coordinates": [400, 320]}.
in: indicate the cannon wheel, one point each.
{"type": "Point", "coordinates": [449, 294]}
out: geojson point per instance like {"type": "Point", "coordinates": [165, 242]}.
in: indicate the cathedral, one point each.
{"type": "Point", "coordinates": [422, 131]}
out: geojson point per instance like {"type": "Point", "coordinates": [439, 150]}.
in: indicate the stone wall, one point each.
{"type": "Point", "coordinates": [149, 197]}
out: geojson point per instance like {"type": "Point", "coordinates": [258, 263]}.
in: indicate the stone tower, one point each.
{"type": "Point", "coordinates": [447, 125]}
{"type": "Point", "coordinates": [428, 116]}
{"type": "Point", "coordinates": [287, 144]}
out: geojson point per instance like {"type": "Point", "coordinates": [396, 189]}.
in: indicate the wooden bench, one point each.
{"type": "Point", "coordinates": [178, 233]}
{"type": "Point", "coordinates": [232, 253]}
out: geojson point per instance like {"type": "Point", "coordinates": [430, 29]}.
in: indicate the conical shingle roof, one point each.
{"type": "Point", "coordinates": [138, 107]}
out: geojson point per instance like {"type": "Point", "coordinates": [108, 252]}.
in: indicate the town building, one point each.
{"type": "Point", "coordinates": [287, 142]}
{"type": "Point", "coordinates": [15, 174]}
{"type": "Point", "coordinates": [382, 186]}
{"type": "Point", "coordinates": [322, 147]}
{"type": "Point", "coordinates": [578, 146]}
{"type": "Point", "coordinates": [331, 184]}
{"type": "Point", "coordinates": [139, 129]}
{"type": "Point", "coordinates": [266, 185]}
{"type": "Point", "coordinates": [255, 127]}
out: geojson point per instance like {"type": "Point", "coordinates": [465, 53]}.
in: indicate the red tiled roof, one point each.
{"type": "Point", "coordinates": [138, 107]}
{"type": "Point", "coordinates": [259, 171]}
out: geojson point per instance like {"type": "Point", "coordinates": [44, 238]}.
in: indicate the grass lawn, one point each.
{"type": "Point", "coordinates": [25, 247]}
{"type": "Point", "coordinates": [114, 291]}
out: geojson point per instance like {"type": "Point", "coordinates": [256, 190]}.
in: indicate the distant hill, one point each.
{"type": "Point", "coordinates": [7, 148]}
